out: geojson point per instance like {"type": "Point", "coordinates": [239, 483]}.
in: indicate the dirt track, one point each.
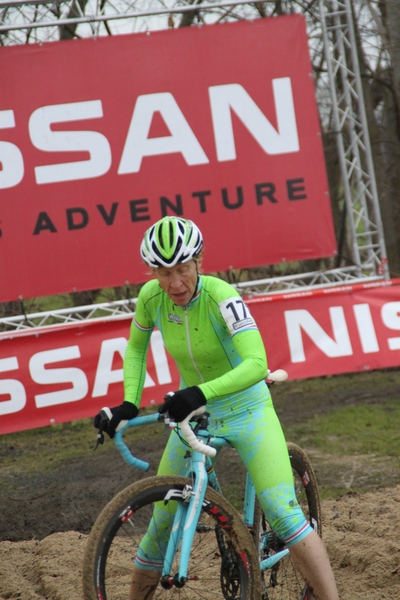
{"type": "Point", "coordinates": [45, 518]}
{"type": "Point", "coordinates": [361, 532]}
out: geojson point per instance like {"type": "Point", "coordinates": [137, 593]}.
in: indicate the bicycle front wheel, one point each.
{"type": "Point", "coordinates": [282, 581]}
{"type": "Point", "coordinates": [223, 562]}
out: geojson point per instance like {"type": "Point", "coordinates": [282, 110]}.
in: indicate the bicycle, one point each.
{"type": "Point", "coordinates": [211, 551]}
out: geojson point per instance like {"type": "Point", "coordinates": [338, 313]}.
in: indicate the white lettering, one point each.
{"type": "Point", "coordinates": [12, 388]}
{"type": "Point", "coordinates": [366, 329]}
{"type": "Point", "coordinates": [298, 320]}
{"type": "Point", "coordinates": [391, 318]}
{"type": "Point", "coordinates": [93, 142]}
{"type": "Point", "coordinates": [11, 159]}
{"type": "Point", "coordinates": [104, 373]}
{"type": "Point", "coordinates": [76, 377]}
{"type": "Point", "coordinates": [138, 144]}
{"type": "Point", "coordinates": [224, 98]}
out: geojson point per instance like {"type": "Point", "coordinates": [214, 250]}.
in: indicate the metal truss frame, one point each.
{"type": "Point", "coordinates": [19, 18]}
{"type": "Point", "coordinates": [65, 316]}
{"type": "Point", "coordinates": [123, 308]}
{"type": "Point", "coordinates": [365, 230]}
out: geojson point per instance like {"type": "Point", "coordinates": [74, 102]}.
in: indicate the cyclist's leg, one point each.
{"type": "Point", "coordinates": [256, 433]}
{"type": "Point", "coordinates": [271, 472]}
{"type": "Point", "coordinates": [143, 584]}
{"type": "Point", "coordinates": [312, 561]}
{"type": "Point", "coordinates": [152, 548]}
{"type": "Point", "coordinates": [173, 461]}
{"type": "Point", "coordinates": [267, 460]}
{"type": "Point", "coordinates": [253, 428]}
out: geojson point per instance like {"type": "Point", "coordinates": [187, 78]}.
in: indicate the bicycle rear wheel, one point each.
{"type": "Point", "coordinates": [223, 562]}
{"type": "Point", "coordinates": [282, 581]}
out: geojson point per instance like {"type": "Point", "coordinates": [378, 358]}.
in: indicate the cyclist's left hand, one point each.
{"type": "Point", "coordinates": [180, 404]}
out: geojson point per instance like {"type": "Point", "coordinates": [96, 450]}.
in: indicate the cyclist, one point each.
{"type": "Point", "coordinates": [218, 349]}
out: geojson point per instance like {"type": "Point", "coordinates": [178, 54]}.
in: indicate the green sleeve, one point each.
{"type": "Point", "coordinates": [251, 370]}
{"type": "Point", "coordinates": [136, 355]}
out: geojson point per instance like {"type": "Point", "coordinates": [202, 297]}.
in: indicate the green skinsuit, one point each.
{"type": "Point", "coordinates": [217, 346]}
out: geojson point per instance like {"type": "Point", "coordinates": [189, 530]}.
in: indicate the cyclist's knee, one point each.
{"type": "Point", "coordinates": [284, 514]}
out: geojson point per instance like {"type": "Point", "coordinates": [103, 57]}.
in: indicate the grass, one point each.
{"type": "Point", "coordinates": [362, 429]}
{"type": "Point", "coordinates": [354, 449]}
{"type": "Point", "coordinates": [45, 448]}
{"type": "Point", "coordinates": [367, 430]}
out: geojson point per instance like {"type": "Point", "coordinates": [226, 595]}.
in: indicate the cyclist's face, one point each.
{"type": "Point", "coordinates": [178, 282]}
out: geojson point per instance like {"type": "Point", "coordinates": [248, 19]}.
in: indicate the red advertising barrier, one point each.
{"type": "Point", "coordinates": [333, 330]}
{"type": "Point", "coordinates": [216, 123]}
{"type": "Point", "coordinates": [69, 372]}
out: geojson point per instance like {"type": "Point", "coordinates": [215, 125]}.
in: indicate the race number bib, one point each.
{"type": "Point", "coordinates": [236, 315]}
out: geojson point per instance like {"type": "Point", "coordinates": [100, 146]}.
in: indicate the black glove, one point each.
{"type": "Point", "coordinates": [182, 403]}
{"type": "Point", "coordinates": [124, 412]}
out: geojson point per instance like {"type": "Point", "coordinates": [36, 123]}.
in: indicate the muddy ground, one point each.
{"type": "Point", "coordinates": [45, 518]}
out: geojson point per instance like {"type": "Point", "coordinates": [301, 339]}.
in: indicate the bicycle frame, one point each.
{"type": "Point", "coordinates": [201, 473]}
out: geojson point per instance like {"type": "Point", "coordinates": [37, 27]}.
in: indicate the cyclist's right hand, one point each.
{"type": "Point", "coordinates": [119, 416]}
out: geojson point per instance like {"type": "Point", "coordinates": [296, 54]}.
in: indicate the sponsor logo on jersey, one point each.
{"type": "Point", "coordinates": [243, 323]}
{"type": "Point", "coordinates": [174, 318]}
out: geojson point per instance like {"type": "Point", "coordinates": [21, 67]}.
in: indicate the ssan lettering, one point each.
{"type": "Point", "coordinates": [11, 388]}
{"type": "Point", "coordinates": [11, 159]}
{"type": "Point", "coordinates": [60, 375]}
{"type": "Point", "coordinates": [91, 143]}
{"type": "Point", "coordinates": [91, 153]}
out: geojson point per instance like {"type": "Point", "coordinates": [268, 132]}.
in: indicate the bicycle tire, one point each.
{"type": "Point", "coordinates": [230, 573]}
{"type": "Point", "coordinates": [282, 581]}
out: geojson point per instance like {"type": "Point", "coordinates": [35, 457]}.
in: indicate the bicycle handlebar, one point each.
{"type": "Point", "coordinates": [123, 448]}
{"type": "Point", "coordinates": [195, 443]}
{"type": "Point", "coordinates": [191, 438]}
{"type": "Point", "coordinates": [187, 431]}
{"type": "Point", "coordinates": [278, 375]}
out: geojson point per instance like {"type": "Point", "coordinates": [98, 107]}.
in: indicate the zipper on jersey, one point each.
{"type": "Point", "coordinates": [189, 344]}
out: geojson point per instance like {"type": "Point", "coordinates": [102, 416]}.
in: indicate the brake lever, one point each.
{"type": "Point", "coordinates": [168, 422]}
{"type": "Point", "coordinates": [100, 439]}
{"type": "Point", "coordinates": [105, 418]}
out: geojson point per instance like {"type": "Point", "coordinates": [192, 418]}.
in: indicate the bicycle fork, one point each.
{"type": "Point", "coordinates": [185, 523]}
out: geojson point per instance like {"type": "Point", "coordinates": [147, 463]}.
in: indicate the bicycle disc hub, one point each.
{"type": "Point", "coordinates": [167, 582]}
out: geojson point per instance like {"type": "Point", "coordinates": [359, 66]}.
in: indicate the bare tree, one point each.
{"type": "Point", "coordinates": [380, 62]}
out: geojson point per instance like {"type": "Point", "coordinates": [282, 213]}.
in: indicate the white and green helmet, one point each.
{"type": "Point", "coordinates": [171, 241]}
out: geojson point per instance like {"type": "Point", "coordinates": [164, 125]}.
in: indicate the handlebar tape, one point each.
{"type": "Point", "coordinates": [190, 437]}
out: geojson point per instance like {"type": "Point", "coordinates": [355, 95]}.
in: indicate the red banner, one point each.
{"type": "Point", "coordinates": [102, 137]}
{"type": "Point", "coordinates": [69, 372]}
{"type": "Point", "coordinates": [333, 330]}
